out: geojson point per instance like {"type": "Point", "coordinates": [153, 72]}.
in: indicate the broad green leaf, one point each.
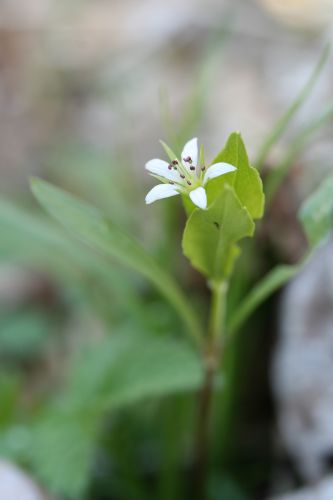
{"type": "Point", "coordinates": [284, 121]}
{"type": "Point", "coordinates": [211, 235]}
{"type": "Point", "coordinates": [316, 214]}
{"type": "Point", "coordinates": [127, 368]}
{"type": "Point", "coordinates": [121, 371]}
{"type": "Point", "coordinates": [245, 180]}
{"type": "Point", "coordinates": [102, 235]}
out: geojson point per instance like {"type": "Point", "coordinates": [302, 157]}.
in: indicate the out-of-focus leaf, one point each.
{"type": "Point", "coordinates": [245, 180]}
{"type": "Point", "coordinates": [16, 442]}
{"type": "Point", "coordinates": [225, 489]}
{"type": "Point", "coordinates": [10, 385]}
{"type": "Point", "coordinates": [62, 452]}
{"type": "Point", "coordinates": [127, 368]}
{"type": "Point", "coordinates": [28, 239]}
{"type": "Point", "coordinates": [284, 121]}
{"type": "Point", "coordinates": [316, 213]}
{"type": "Point", "coordinates": [98, 178]}
{"type": "Point", "coordinates": [101, 234]}
{"type": "Point", "coordinates": [120, 371]}
{"type": "Point", "coordinates": [211, 235]}
{"type": "Point", "coordinates": [23, 334]}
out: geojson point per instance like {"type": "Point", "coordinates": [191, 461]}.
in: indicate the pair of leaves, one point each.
{"type": "Point", "coordinates": [235, 200]}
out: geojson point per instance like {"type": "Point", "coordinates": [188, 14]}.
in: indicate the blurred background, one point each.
{"type": "Point", "coordinates": [86, 91]}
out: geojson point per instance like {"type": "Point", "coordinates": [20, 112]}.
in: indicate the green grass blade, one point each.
{"type": "Point", "coordinates": [284, 121]}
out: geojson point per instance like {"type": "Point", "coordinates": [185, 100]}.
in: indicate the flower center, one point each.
{"type": "Point", "coordinates": [190, 175]}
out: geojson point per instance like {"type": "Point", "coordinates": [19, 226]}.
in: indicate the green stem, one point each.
{"type": "Point", "coordinates": [211, 359]}
{"type": "Point", "coordinates": [217, 313]}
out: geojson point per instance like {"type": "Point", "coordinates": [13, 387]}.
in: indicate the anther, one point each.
{"type": "Point", "coordinates": [170, 166]}
{"type": "Point", "coordinates": [188, 159]}
{"type": "Point", "coordinates": [189, 183]}
{"type": "Point", "coordinates": [182, 176]}
{"type": "Point", "coordinates": [170, 182]}
{"type": "Point", "coordinates": [192, 168]}
{"type": "Point", "coordinates": [203, 168]}
{"type": "Point", "coordinates": [175, 162]}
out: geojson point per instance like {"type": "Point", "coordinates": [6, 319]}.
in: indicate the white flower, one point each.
{"type": "Point", "coordinates": [184, 177]}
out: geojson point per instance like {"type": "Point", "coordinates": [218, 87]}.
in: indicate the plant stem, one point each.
{"type": "Point", "coordinates": [211, 359]}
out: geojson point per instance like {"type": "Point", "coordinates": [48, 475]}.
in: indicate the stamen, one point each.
{"type": "Point", "coordinates": [192, 168]}
{"type": "Point", "coordinates": [203, 168]}
{"type": "Point", "coordinates": [182, 176]}
{"type": "Point", "coordinates": [170, 182]}
{"type": "Point", "coordinates": [175, 162]}
{"type": "Point", "coordinates": [189, 183]}
{"type": "Point", "coordinates": [188, 159]}
{"type": "Point", "coordinates": [170, 166]}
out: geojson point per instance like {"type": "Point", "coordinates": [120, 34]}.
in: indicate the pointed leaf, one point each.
{"type": "Point", "coordinates": [245, 180]}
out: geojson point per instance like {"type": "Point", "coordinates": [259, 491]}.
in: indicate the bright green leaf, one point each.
{"type": "Point", "coordinates": [245, 180]}
{"type": "Point", "coordinates": [211, 235]}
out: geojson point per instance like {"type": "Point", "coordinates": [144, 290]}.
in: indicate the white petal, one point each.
{"type": "Point", "coordinates": [199, 197]}
{"type": "Point", "coordinates": [218, 169]}
{"type": "Point", "coordinates": [161, 168]}
{"type": "Point", "coordinates": [191, 150]}
{"type": "Point", "coordinates": [160, 191]}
